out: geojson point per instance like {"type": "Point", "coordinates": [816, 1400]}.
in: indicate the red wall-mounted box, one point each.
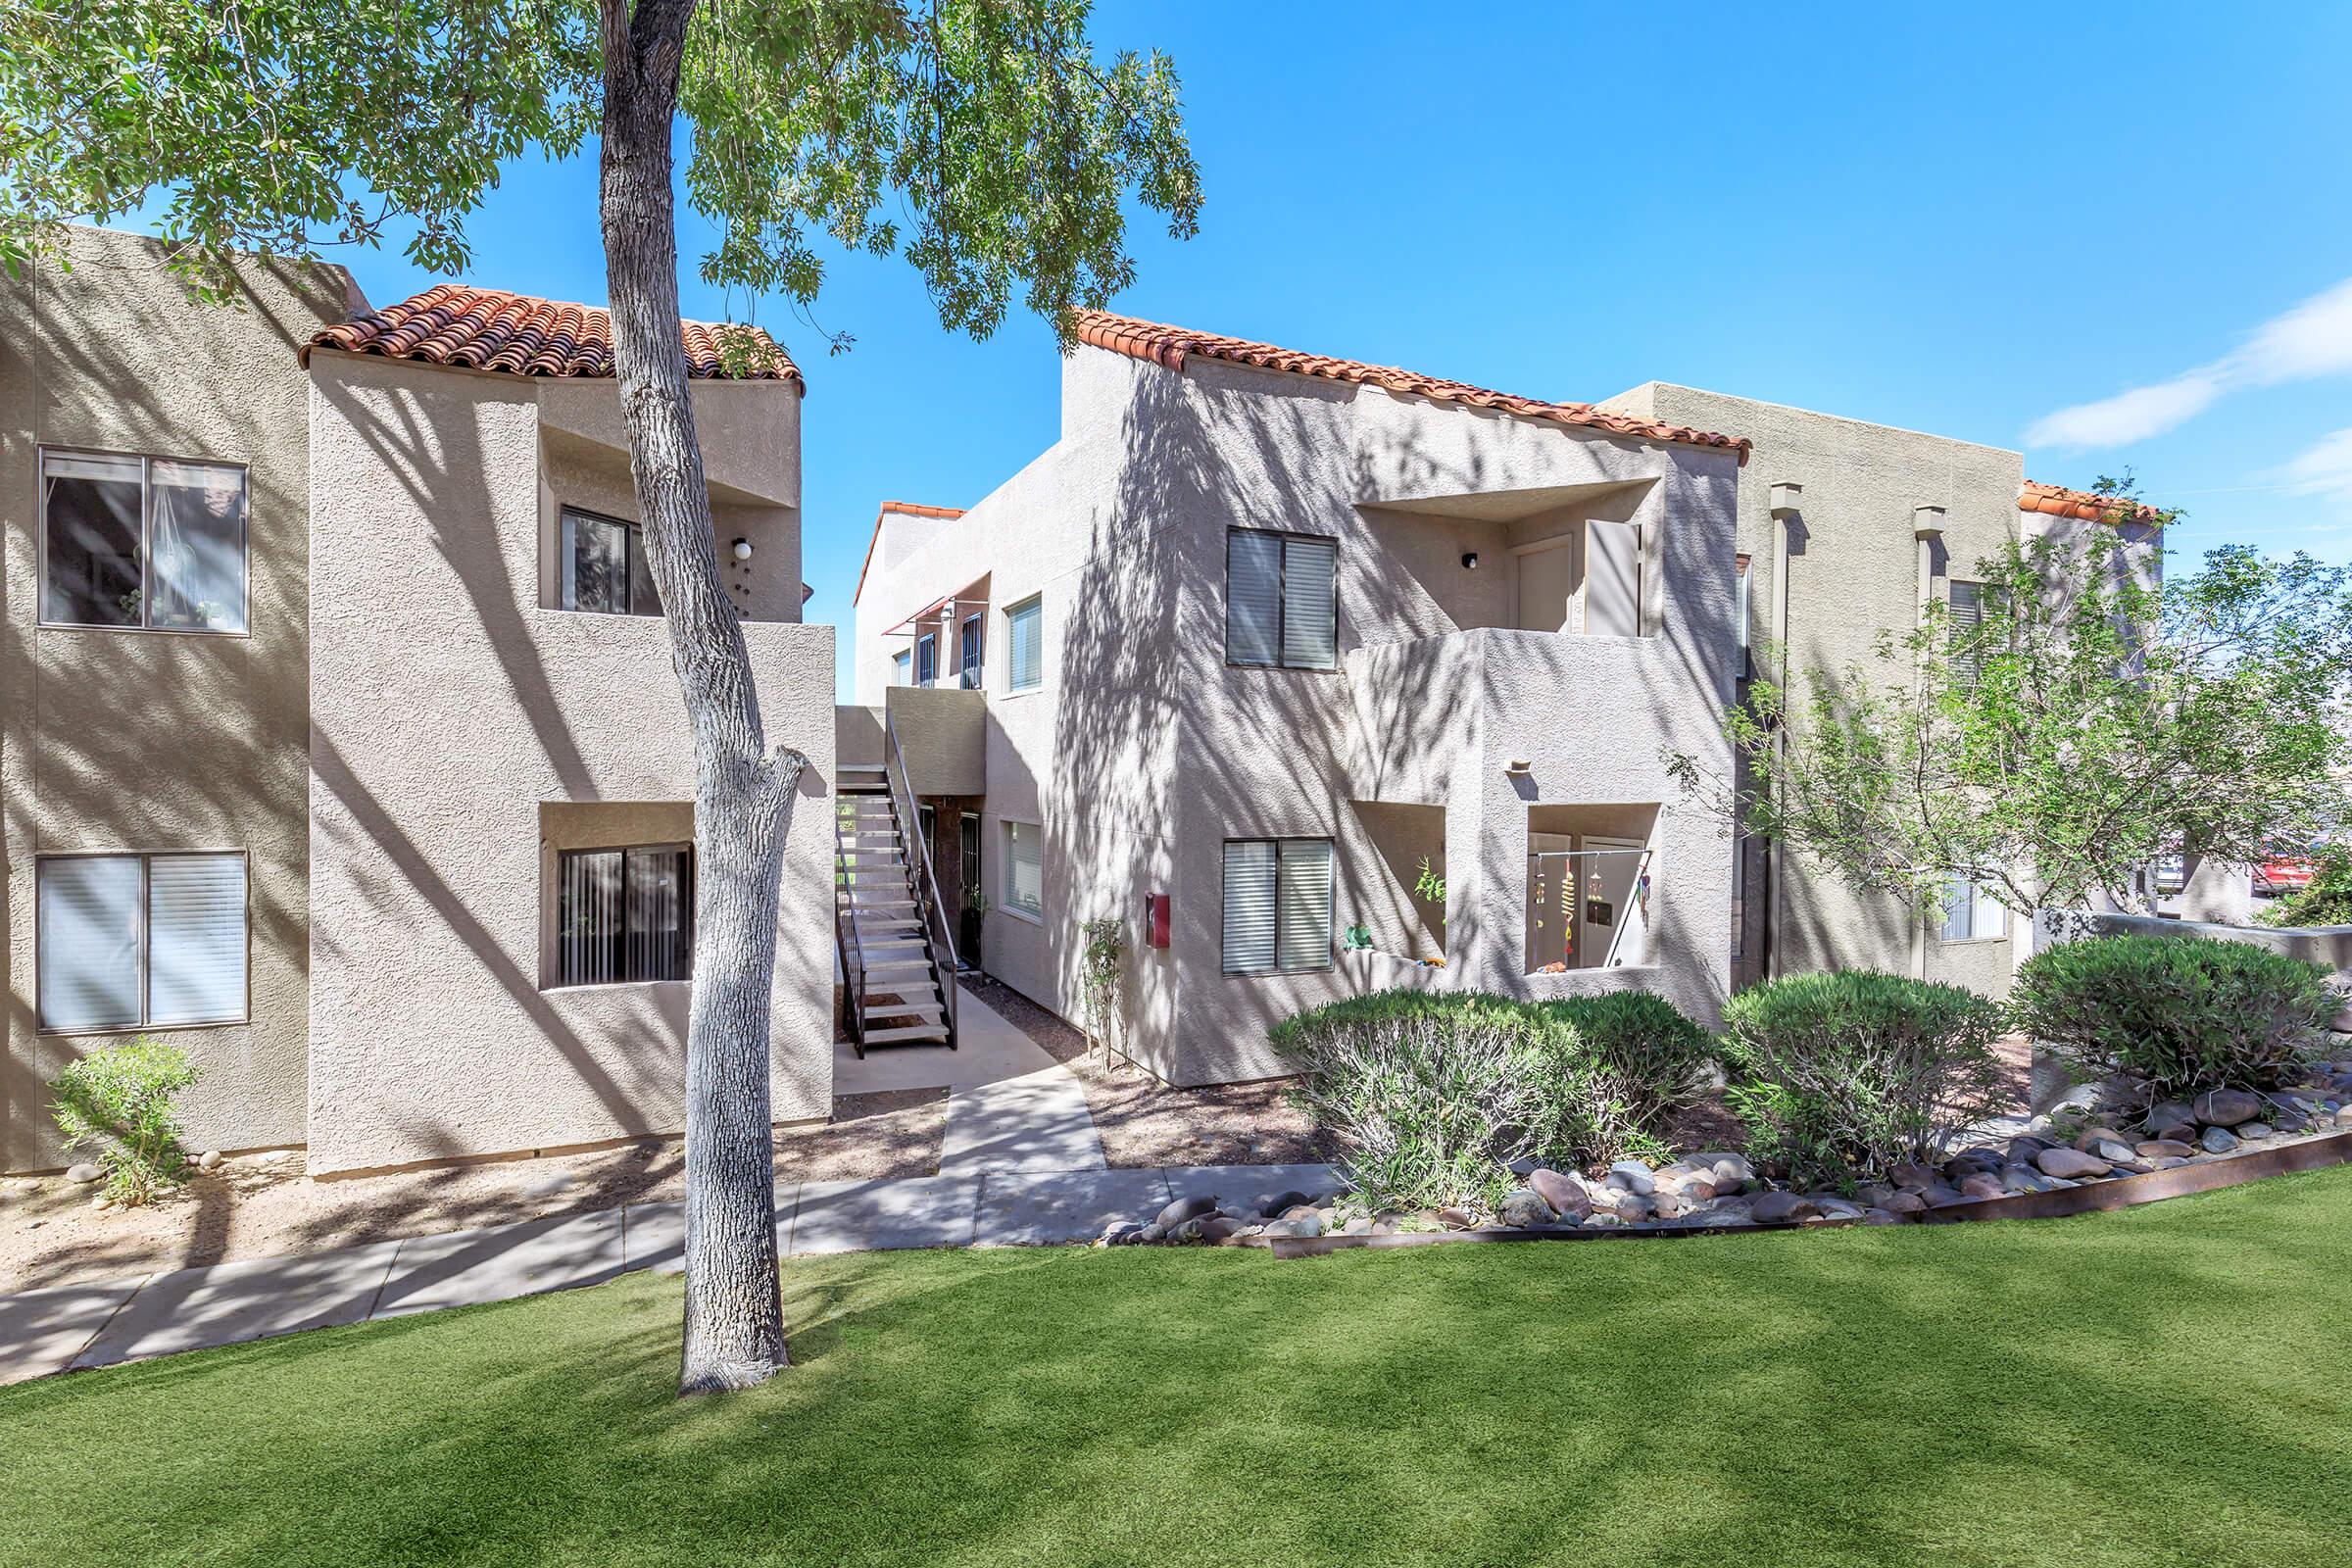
{"type": "Point", "coordinates": [1156, 922]}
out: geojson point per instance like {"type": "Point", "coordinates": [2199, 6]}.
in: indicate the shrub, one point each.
{"type": "Point", "coordinates": [2325, 900]}
{"type": "Point", "coordinates": [1434, 1094]}
{"type": "Point", "coordinates": [2180, 1014]}
{"type": "Point", "coordinates": [120, 1102]}
{"type": "Point", "coordinates": [1840, 1076]}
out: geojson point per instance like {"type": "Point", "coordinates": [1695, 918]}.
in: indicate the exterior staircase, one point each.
{"type": "Point", "coordinates": [898, 962]}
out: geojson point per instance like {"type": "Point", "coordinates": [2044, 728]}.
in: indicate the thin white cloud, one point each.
{"type": "Point", "coordinates": [2309, 341]}
{"type": "Point", "coordinates": [2323, 469]}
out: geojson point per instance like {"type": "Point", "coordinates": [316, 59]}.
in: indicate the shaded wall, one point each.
{"type": "Point", "coordinates": [449, 707]}
{"type": "Point", "coordinates": [154, 740]}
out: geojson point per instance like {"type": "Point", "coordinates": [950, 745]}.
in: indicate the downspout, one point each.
{"type": "Point", "coordinates": [1787, 506]}
{"type": "Point", "coordinates": [1927, 535]}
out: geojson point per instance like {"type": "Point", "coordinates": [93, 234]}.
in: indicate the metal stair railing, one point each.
{"type": "Point", "coordinates": [925, 886]}
{"type": "Point", "coordinates": [846, 941]}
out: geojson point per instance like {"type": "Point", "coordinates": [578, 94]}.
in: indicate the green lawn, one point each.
{"type": "Point", "coordinates": [2169, 1385]}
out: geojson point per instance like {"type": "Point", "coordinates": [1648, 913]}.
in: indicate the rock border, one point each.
{"type": "Point", "coordinates": [2308, 1154]}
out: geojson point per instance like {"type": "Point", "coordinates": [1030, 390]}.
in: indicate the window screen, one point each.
{"type": "Point", "coordinates": [970, 654]}
{"type": "Point", "coordinates": [604, 567]}
{"type": "Point", "coordinates": [1281, 608]}
{"type": "Point", "coordinates": [1024, 630]}
{"type": "Point", "coordinates": [1024, 868]}
{"type": "Point", "coordinates": [1277, 905]}
{"type": "Point", "coordinates": [131, 940]}
{"type": "Point", "coordinates": [624, 916]}
{"type": "Point", "coordinates": [130, 541]}
{"type": "Point", "coordinates": [1970, 913]}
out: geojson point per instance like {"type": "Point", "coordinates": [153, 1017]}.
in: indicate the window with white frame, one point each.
{"type": "Point", "coordinates": [1970, 913]}
{"type": "Point", "coordinates": [1277, 906]}
{"type": "Point", "coordinates": [151, 543]}
{"type": "Point", "coordinates": [902, 667]}
{"type": "Point", "coordinates": [1281, 599]}
{"type": "Point", "coordinates": [604, 565]}
{"type": "Point", "coordinates": [1025, 869]}
{"type": "Point", "coordinates": [141, 941]}
{"type": "Point", "coordinates": [624, 916]}
{"type": "Point", "coordinates": [1025, 638]}
{"type": "Point", "coordinates": [1740, 602]}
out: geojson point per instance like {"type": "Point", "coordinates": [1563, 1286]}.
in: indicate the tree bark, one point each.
{"type": "Point", "coordinates": [734, 1328]}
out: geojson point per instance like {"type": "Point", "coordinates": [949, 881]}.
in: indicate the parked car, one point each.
{"type": "Point", "coordinates": [2275, 874]}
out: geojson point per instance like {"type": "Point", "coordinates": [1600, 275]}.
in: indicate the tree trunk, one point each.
{"type": "Point", "coordinates": [734, 1332]}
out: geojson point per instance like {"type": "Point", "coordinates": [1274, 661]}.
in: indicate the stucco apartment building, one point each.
{"type": "Point", "coordinates": [1266, 636]}
{"type": "Point", "coordinates": [338, 731]}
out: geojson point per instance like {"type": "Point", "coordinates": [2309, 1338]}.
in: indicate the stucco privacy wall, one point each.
{"type": "Point", "coordinates": [2329, 944]}
{"type": "Point", "coordinates": [151, 740]}
{"type": "Point", "coordinates": [449, 707]}
{"type": "Point", "coordinates": [1846, 568]}
{"type": "Point", "coordinates": [1141, 751]}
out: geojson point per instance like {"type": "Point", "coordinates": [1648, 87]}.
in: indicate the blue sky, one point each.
{"type": "Point", "coordinates": [1982, 222]}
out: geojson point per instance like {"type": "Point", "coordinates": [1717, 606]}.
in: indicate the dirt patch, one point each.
{"type": "Point", "coordinates": [1143, 1122]}
{"type": "Point", "coordinates": [264, 1205]}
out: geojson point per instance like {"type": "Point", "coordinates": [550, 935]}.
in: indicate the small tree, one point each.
{"type": "Point", "coordinates": [986, 127]}
{"type": "Point", "coordinates": [2086, 722]}
{"type": "Point", "coordinates": [1101, 978]}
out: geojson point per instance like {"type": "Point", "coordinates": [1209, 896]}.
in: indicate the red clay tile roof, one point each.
{"type": "Point", "coordinates": [491, 329]}
{"type": "Point", "coordinates": [1170, 346]}
{"type": "Point", "coordinates": [903, 508]}
{"type": "Point", "coordinates": [2086, 505]}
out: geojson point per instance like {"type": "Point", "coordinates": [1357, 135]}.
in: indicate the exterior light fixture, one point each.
{"type": "Point", "coordinates": [1786, 499]}
{"type": "Point", "coordinates": [743, 549]}
{"type": "Point", "coordinates": [1469, 560]}
{"type": "Point", "coordinates": [1518, 765]}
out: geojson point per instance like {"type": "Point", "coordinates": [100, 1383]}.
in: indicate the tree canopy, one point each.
{"type": "Point", "coordinates": [981, 139]}
{"type": "Point", "coordinates": [2086, 720]}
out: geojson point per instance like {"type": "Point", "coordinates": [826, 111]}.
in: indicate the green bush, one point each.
{"type": "Point", "coordinates": [2180, 1014]}
{"type": "Point", "coordinates": [2325, 900]}
{"type": "Point", "coordinates": [120, 1100]}
{"type": "Point", "coordinates": [1840, 1076]}
{"type": "Point", "coordinates": [1434, 1093]}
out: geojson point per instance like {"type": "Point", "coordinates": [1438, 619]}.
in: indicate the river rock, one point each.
{"type": "Point", "coordinates": [83, 1174]}
{"type": "Point", "coordinates": [1632, 1176]}
{"type": "Point", "coordinates": [1981, 1185]}
{"type": "Point", "coordinates": [1183, 1208]}
{"type": "Point", "coordinates": [2163, 1148]}
{"type": "Point", "coordinates": [1300, 1228]}
{"type": "Point", "coordinates": [2069, 1163]}
{"type": "Point", "coordinates": [1563, 1195]}
{"type": "Point", "coordinates": [1778, 1209]}
{"type": "Point", "coordinates": [1524, 1210]}
{"type": "Point", "coordinates": [1905, 1203]}
{"type": "Point", "coordinates": [2250, 1131]}
{"type": "Point", "coordinates": [2217, 1140]}
{"type": "Point", "coordinates": [2226, 1107]}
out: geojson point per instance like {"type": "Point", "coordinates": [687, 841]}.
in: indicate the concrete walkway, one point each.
{"type": "Point", "coordinates": [1021, 1166]}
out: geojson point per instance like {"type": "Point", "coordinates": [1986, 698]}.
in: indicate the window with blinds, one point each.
{"type": "Point", "coordinates": [1970, 913]}
{"type": "Point", "coordinates": [1277, 906]}
{"type": "Point", "coordinates": [624, 916]}
{"type": "Point", "coordinates": [1025, 639]}
{"type": "Point", "coordinates": [1968, 604]}
{"type": "Point", "coordinates": [604, 567]}
{"type": "Point", "coordinates": [1025, 868]}
{"type": "Point", "coordinates": [132, 941]}
{"type": "Point", "coordinates": [142, 542]}
{"type": "Point", "coordinates": [926, 660]}
{"type": "Point", "coordinates": [968, 654]}
{"type": "Point", "coordinates": [1281, 599]}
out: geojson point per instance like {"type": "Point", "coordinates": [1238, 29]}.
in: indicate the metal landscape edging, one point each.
{"type": "Point", "coordinates": [2127, 1192]}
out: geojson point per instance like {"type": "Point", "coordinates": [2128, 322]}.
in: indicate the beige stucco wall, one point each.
{"type": "Point", "coordinates": [449, 707]}
{"type": "Point", "coordinates": [150, 740]}
{"type": "Point", "coordinates": [1846, 568]}
{"type": "Point", "coordinates": [1142, 752]}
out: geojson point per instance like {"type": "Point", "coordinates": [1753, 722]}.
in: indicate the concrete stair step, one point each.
{"type": "Point", "coordinates": [911, 1032]}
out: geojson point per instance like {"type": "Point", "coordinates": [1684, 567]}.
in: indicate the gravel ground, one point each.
{"type": "Point", "coordinates": [263, 1204]}
{"type": "Point", "coordinates": [1143, 1122]}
